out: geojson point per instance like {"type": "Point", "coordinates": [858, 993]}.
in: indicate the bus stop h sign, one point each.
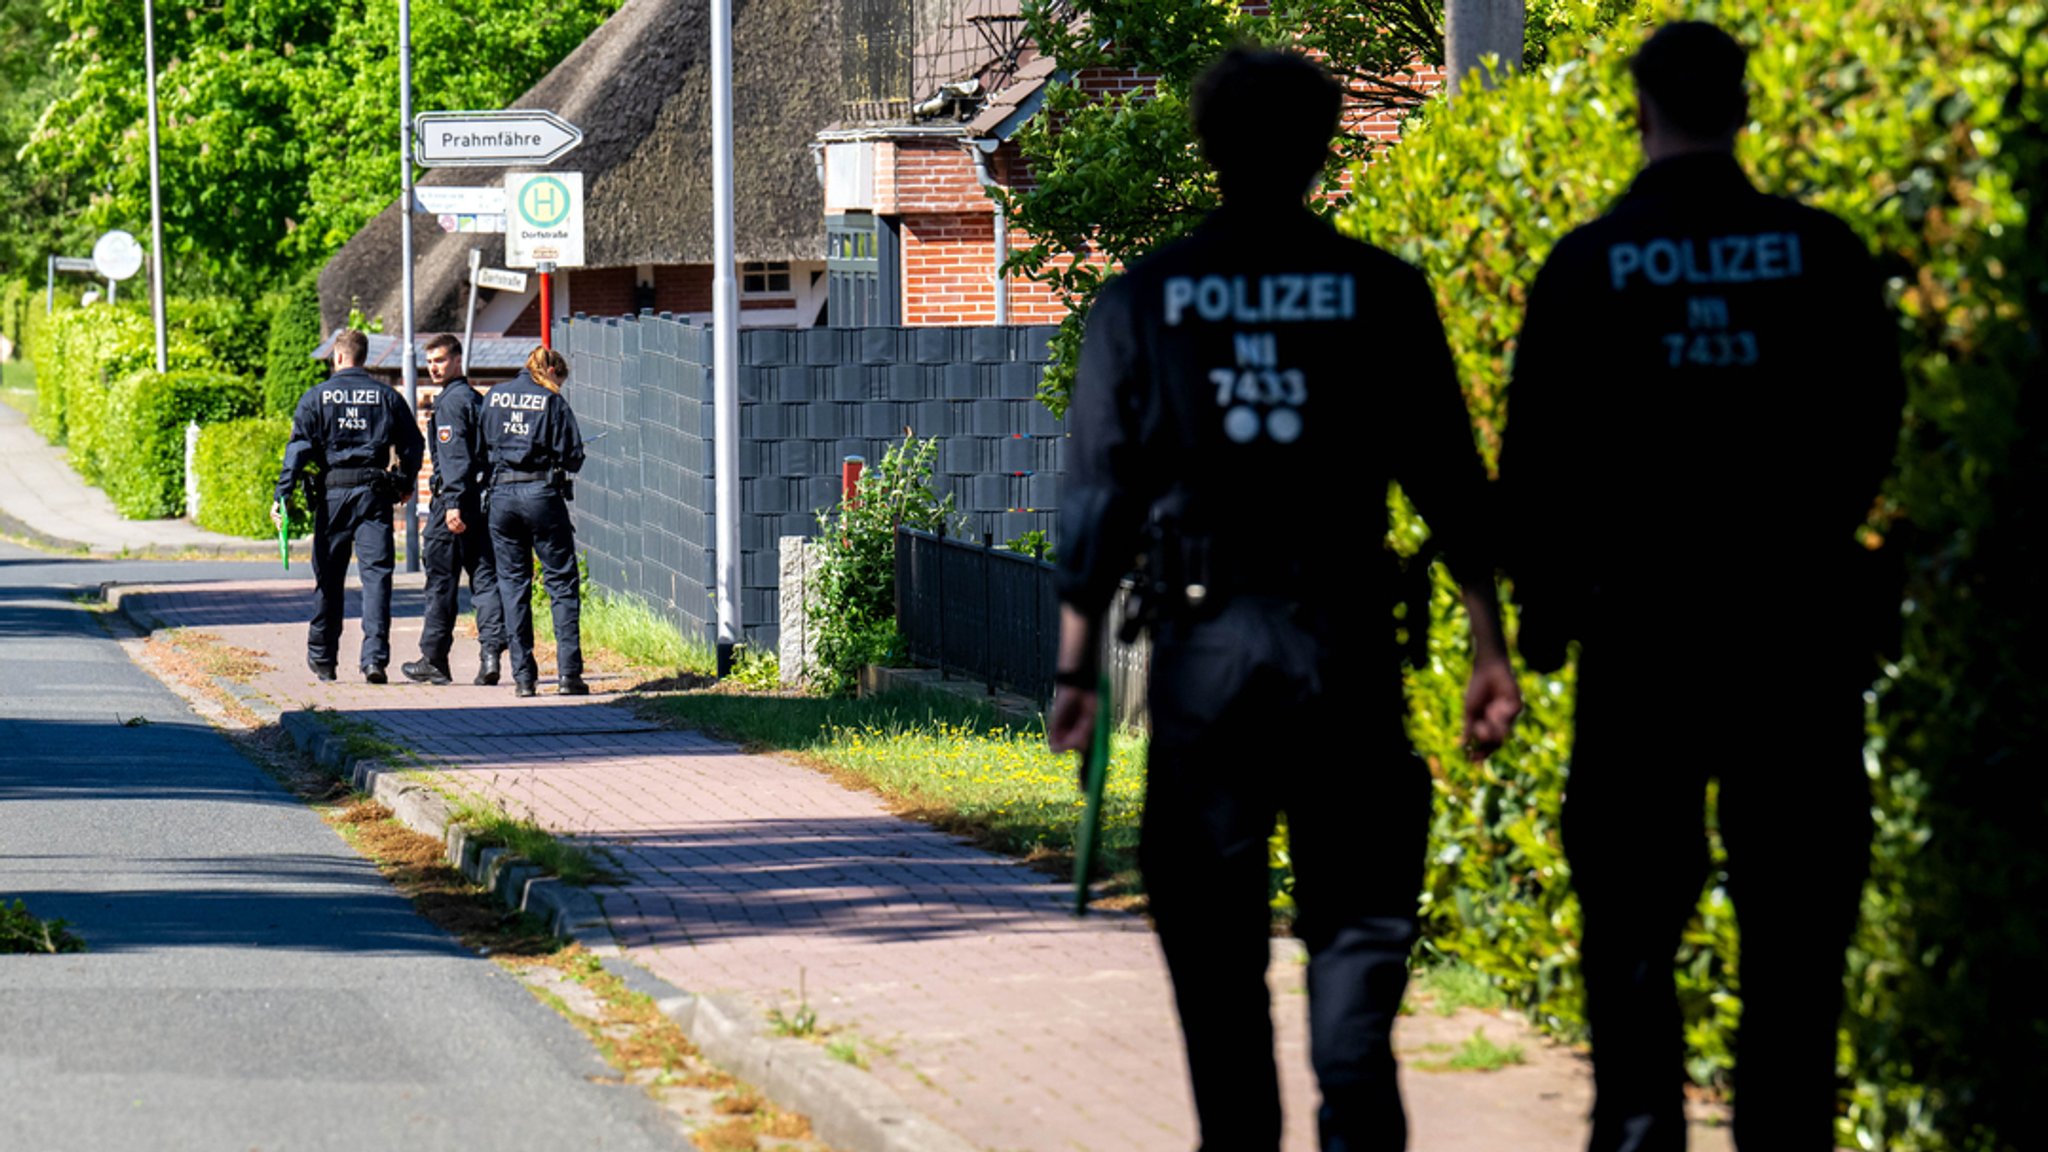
{"type": "Point", "coordinates": [544, 219]}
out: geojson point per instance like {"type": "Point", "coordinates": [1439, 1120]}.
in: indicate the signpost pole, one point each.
{"type": "Point", "coordinates": [476, 260]}
{"type": "Point", "coordinates": [546, 269]}
{"type": "Point", "coordinates": [156, 196]}
{"type": "Point", "coordinates": [410, 370]}
{"type": "Point", "coordinates": [725, 340]}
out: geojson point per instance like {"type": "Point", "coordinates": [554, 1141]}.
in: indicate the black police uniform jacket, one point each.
{"type": "Point", "coordinates": [1706, 397]}
{"type": "Point", "coordinates": [526, 428]}
{"type": "Point", "coordinates": [1265, 377]}
{"type": "Point", "coordinates": [349, 422]}
{"type": "Point", "coordinates": [458, 448]}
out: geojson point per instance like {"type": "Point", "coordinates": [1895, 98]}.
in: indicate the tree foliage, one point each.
{"type": "Point", "coordinates": [1083, 213]}
{"type": "Point", "coordinates": [279, 118]}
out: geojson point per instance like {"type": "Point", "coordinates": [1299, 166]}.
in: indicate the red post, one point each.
{"type": "Point", "coordinates": [547, 310]}
{"type": "Point", "coordinates": [849, 480]}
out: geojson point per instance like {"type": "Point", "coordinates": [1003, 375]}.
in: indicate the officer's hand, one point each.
{"type": "Point", "coordinates": [1072, 722]}
{"type": "Point", "coordinates": [455, 523]}
{"type": "Point", "coordinates": [1492, 701]}
{"type": "Point", "coordinates": [277, 514]}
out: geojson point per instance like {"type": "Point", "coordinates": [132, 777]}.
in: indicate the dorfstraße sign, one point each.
{"type": "Point", "coordinates": [491, 139]}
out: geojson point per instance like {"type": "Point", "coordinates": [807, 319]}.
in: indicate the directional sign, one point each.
{"type": "Point", "coordinates": [441, 200]}
{"type": "Point", "coordinates": [544, 219]}
{"type": "Point", "coordinates": [117, 256]}
{"type": "Point", "coordinates": [500, 279]}
{"type": "Point", "coordinates": [491, 139]}
{"type": "Point", "coordinates": [74, 264]}
{"type": "Point", "coordinates": [490, 222]}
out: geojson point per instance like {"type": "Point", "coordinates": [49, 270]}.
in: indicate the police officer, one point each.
{"type": "Point", "coordinates": [344, 433]}
{"type": "Point", "coordinates": [1706, 396]}
{"type": "Point", "coordinates": [533, 446]}
{"type": "Point", "coordinates": [1230, 385]}
{"type": "Point", "coordinates": [456, 539]}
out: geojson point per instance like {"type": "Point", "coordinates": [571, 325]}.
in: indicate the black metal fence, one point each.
{"type": "Point", "coordinates": [978, 611]}
{"type": "Point", "coordinates": [992, 615]}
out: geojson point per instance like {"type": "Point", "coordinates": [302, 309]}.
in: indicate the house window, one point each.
{"type": "Point", "coordinates": [766, 278]}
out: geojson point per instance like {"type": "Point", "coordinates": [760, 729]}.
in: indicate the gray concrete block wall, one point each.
{"type": "Point", "coordinates": [809, 398]}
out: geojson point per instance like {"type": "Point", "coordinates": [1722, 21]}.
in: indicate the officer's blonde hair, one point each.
{"type": "Point", "coordinates": [548, 367]}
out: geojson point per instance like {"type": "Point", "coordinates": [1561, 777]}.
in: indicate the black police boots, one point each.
{"type": "Point", "coordinates": [323, 672]}
{"type": "Point", "coordinates": [522, 688]}
{"type": "Point", "coordinates": [374, 674]}
{"type": "Point", "coordinates": [426, 672]}
{"type": "Point", "coordinates": [573, 686]}
{"type": "Point", "coordinates": [487, 672]}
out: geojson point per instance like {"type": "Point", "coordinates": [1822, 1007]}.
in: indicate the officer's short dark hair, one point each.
{"type": "Point", "coordinates": [352, 346]}
{"type": "Point", "coordinates": [1693, 73]}
{"type": "Point", "coordinates": [445, 341]}
{"type": "Point", "coordinates": [1266, 115]}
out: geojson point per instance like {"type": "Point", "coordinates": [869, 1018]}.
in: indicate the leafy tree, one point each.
{"type": "Point", "coordinates": [1084, 213]}
{"type": "Point", "coordinates": [279, 118]}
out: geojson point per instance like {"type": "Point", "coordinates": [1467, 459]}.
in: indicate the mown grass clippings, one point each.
{"type": "Point", "coordinates": [216, 657]}
{"type": "Point", "coordinates": [946, 761]}
{"type": "Point", "coordinates": [23, 932]}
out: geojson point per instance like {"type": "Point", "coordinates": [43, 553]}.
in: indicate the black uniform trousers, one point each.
{"type": "Point", "coordinates": [1794, 818]}
{"type": "Point", "coordinates": [530, 519]}
{"type": "Point", "coordinates": [1245, 710]}
{"type": "Point", "coordinates": [355, 519]}
{"type": "Point", "coordinates": [447, 556]}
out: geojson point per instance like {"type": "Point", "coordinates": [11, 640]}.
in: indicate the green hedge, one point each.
{"type": "Point", "coordinates": [293, 334]}
{"type": "Point", "coordinates": [15, 295]}
{"type": "Point", "coordinates": [1925, 125]}
{"type": "Point", "coordinates": [144, 460]}
{"type": "Point", "coordinates": [81, 355]}
{"type": "Point", "coordinates": [238, 463]}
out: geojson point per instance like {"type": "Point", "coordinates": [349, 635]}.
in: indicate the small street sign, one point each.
{"type": "Point", "coordinates": [491, 139]}
{"type": "Point", "coordinates": [117, 256]}
{"type": "Point", "coordinates": [501, 280]}
{"type": "Point", "coordinates": [544, 219]}
{"type": "Point", "coordinates": [444, 200]}
{"type": "Point", "coordinates": [74, 264]}
{"type": "Point", "coordinates": [491, 222]}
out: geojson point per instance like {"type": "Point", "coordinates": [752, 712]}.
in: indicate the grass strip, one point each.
{"type": "Point", "coordinates": [949, 761]}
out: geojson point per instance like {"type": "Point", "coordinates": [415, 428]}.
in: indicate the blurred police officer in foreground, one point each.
{"type": "Point", "coordinates": [456, 539]}
{"type": "Point", "coordinates": [533, 448]}
{"type": "Point", "coordinates": [1250, 390]}
{"type": "Point", "coordinates": [344, 433]}
{"type": "Point", "coordinates": [1706, 397]}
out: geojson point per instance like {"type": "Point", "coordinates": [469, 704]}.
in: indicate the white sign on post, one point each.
{"type": "Point", "coordinates": [501, 280]}
{"type": "Point", "coordinates": [117, 256]}
{"type": "Point", "coordinates": [445, 200]}
{"type": "Point", "coordinates": [491, 139]}
{"type": "Point", "coordinates": [544, 219]}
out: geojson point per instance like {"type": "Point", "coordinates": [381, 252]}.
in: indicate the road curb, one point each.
{"type": "Point", "coordinates": [848, 1107]}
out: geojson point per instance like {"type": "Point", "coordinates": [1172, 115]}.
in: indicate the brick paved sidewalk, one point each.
{"type": "Point", "coordinates": [969, 987]}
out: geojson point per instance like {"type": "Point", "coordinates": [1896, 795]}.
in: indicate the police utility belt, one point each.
{"type": "Point", "coordinates": [335, 478]}
{"type": "Point", "coordinates": [556, 478]}
{"type": "Point", "coordinates": [1188, 575]}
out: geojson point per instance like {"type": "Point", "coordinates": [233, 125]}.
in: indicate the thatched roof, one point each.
{"type": "Point", "coordinates": [640, 90]}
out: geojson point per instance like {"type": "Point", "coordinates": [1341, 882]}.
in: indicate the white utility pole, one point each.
{"type": "Point", "coordinates": [725, 335]}
{"type": "Point", "coordinates": [1474, 29]}
{"type": "Point", "coordinates": [156, 193]}
{"type": "Point", "coordinates": [410, 370]}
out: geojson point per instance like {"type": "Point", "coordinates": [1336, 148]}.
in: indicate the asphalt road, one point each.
{"type": "Point", "coordinates": [251, 983]}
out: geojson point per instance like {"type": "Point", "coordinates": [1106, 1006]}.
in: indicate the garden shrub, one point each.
{"type": "Point", "coordinates": [1925, 126]}
{"type": "Point", "coordinates": [144, 459]}
{"type": "Point", "coordinates": [855, 598]}
{"type": "Point", "coordinates": [294, 331]}
{"type": "Point", "coordinates": [238, 462]}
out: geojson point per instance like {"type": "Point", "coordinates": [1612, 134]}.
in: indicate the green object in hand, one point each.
{"type": "Point", "coordinates": [284, 535]}
{"type": "Point", "coordinates": [1095, 768]}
